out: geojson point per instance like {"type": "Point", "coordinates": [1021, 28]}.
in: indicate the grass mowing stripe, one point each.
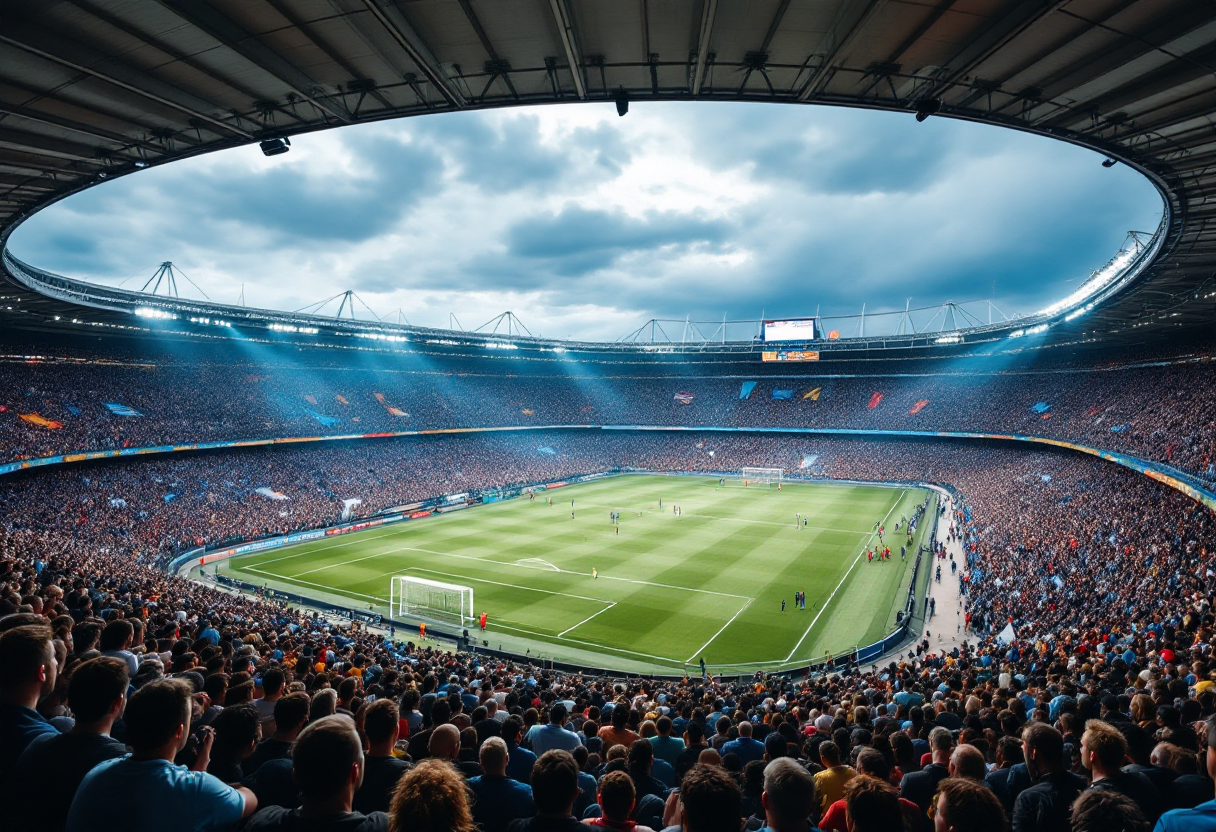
{"type": "Point", "coordinates": [842, 580]}
{"type": "Point", "coordinates": [664, 580]}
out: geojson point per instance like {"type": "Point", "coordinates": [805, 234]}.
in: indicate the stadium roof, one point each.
{"type": "Point", "coordinates": [93, 89]}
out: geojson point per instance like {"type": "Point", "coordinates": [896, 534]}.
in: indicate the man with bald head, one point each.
{"type": "Point", "coordinates": [968, 762]}
{"type": "Point", "coordinates": [444, 744]}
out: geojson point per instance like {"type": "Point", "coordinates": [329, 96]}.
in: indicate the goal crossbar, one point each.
{"type": "Point", "coordinates": [768, 475]}
{"type": "Point", "coordinates": [425, 598]}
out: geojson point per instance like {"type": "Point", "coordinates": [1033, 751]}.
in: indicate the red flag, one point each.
{"type": "Point", "coordinates": [874, 400]}
{"type": "Point", "coordinates": [918, 407]}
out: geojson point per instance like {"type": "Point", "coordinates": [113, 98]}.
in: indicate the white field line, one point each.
{"type": "Point", "coordinates": [566, 572]}
{"type": "Point", "coordinates": [694, 515]}
{"type": "Point", "coordinates": [502, 583]}
{"type": "Point", "coordinates": [356, 538]}
{"type": "Point", "coordinates": [843, 578]}
{"type": "Point", "coordinates": [526, 632]}
{"type": "Point", "coordinates": [318, 586]}
{"type": "Point", "coordinates": [585, 620]}
{"type": "Point", "coordinates": [376, 554]}
{"type": "Point", "coordinates": [715, 635]}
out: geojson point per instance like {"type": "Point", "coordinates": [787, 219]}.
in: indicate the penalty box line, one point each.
{"type": "Point", "coordinates": [844, 577]}
{"type": "Point", "coordinates": [522, 630]}
{"type": "Point", "coordinates": [542, 635]}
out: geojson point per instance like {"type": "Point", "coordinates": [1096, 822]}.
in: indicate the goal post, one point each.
{"type": "Point", "coordinates": [424, 598]}
{"type": "Point", "coordinates": [762, 475]}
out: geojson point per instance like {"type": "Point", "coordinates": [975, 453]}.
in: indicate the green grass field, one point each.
{"type": "Point", "coordinates": [670, 589]}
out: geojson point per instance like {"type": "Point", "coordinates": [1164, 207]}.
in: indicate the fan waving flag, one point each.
{"type": "Point", "coordinates": [874, 400]}
{"type": "Point", "coordinates": [121, 409]}
{"type": "Point", "coordinates": [35, 419]}
{"type": "Point", "coordinates": [745, 391]}
{"type": "Point", "coordinates": [683, 397]}
{"type": "Point", "coordinates": [919, 406]}
{"type": "Point", "coordinates": [812, 394]}
{"type": "Point", "coordinates": [783, 395]}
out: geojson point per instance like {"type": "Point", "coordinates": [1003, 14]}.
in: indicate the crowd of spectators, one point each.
{"type": "Point", "coordinates": [1161, 411]}
{"type": "Point", "coordinates": [131, 699]}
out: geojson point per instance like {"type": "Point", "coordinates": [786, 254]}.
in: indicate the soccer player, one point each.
{"type": "Point", "coordinates": [422, 630]}
{"type": "Point", "coordinates": [783, 605]}
{"type": "Point", "coordinates": [595, 574]}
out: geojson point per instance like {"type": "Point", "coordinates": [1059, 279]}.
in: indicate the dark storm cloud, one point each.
{"type": "Point", "coordinates": [510, 155]}
{"type": "Point", "coordinates": [576, 240]}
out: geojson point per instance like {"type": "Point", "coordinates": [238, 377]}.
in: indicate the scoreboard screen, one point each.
{"type": "Point", "coordinates": [797, 329]}
{"type": "Point", "coordinates": [790, 355]}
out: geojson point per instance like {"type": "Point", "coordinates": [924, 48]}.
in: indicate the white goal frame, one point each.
{"type": "Point", "coordinates": [424, 598]}
{"type": "Point", "coordinates": [762, 475]}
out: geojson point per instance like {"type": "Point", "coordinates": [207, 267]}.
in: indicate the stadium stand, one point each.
{"type": "Point", "coordinates": [133, 699]}
{"type": "Point", "coordinates": [77, 563]}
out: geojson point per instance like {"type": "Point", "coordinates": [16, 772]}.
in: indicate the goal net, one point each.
{"type": "Point", "coordinates": [761, 475]}
{"type": "Point", "coordinates": [424, 598]}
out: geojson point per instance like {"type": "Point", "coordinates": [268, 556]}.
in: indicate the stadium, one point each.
{"type": "Point", "coordinates": [928, 567]}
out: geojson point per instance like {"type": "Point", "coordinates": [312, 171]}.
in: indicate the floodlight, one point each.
{"type": "Point", "coordinates": [141, 164]}
{"type": "Point", "coordinates": [926, 107]}
{"type": "Point", "coordinates": [622, 102]}
{"type": "Point", "coordinates": [1109, 162]}
{"type": "Point", "coordinates": [275, 146]}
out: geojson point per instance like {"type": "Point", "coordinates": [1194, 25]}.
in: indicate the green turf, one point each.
{"type": "Point", "coordinates": [670, 589]}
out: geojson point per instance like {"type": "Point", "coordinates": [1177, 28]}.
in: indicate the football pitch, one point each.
{"type": "Point", "coordinates": [671, 589]}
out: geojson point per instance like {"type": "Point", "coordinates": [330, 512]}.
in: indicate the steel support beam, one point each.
{"type": "Point", "coordinates": [708, 12]}
{"type": "Point", "coordinates": [160, 97]}
{"type": "Point", "coordinates": [839, 48]}
{"type": "Point", "coordinates": [394, 22]}
{"type": "Point", "coordinates": [574, 58]}
{"type": "Point", "coordinates": [231, 35]}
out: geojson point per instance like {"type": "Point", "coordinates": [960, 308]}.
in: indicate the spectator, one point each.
{"type": "Point", "coordinates": [272, 690]}
{"type": "Point", "coordinates": [617, 799]}
{"type": "Point", "coordinates": [554, 734]}
{"type": "Point", "coordinates": [327, 763]}
{"type": "Point", "coordinates": [965, 805]}
{"type": "Point", "coordinates": [1097, 810]}
{"type": "Point", "coordinates": [116, 642]}
{"type": "Point", "coordinates": [554, 790]}
{"type": "Point", "coordinates": [967, 761]}
{"type": "Point", "coordinates": [54, 764]}
{"type": "Point", "coordinates": [872, 806]}
{"type": "Point", "coordinates": [290, 717]}
{"type": "Point", "coordinates": [920, 786]}
{"type": "Point", "coordinates": [236, 738]}
{"type": "Point", "coordinates": [789, 798]}
{"type": "Point", "coordinates": [710, 801]}
{"type": "Point", "coordinates": [830, 782]}
{"type": "Point", "coordinates": [640, 761]}
{"type": "Point", "coordinates": [618, 732]}
{"type": "Point", "coordinates": [499, 800]}
{"type": "Point", "coordinates": [666, 747]}
{"type": "Point", "coordinates": [1203, 817]}
{"type": "Point", "coordinates": [1044, 807]}
{"type": "Point", "coordinates": [521, 760]}
{"type": "Point", "coordinates": [871, 763]}
{"type": "Point", "coordinates": [157, 722]}
{"type": "Point", "coordinates": [381, 770]}
{"type": "Point", "coordinates": [1103, 753]}
{"type": "Point", "coordinates": [745, 747]}
{"type": "Point", "coordinates": [30, 669]}
{"type": "Point", "coordinates": [431, 797]}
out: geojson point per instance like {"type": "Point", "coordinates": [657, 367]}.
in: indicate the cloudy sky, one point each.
{"type": "Point", "coordinates": [586, 225]}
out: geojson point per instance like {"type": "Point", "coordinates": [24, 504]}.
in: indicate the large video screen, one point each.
{"type": "Point", "coordinates": [797, 329]}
